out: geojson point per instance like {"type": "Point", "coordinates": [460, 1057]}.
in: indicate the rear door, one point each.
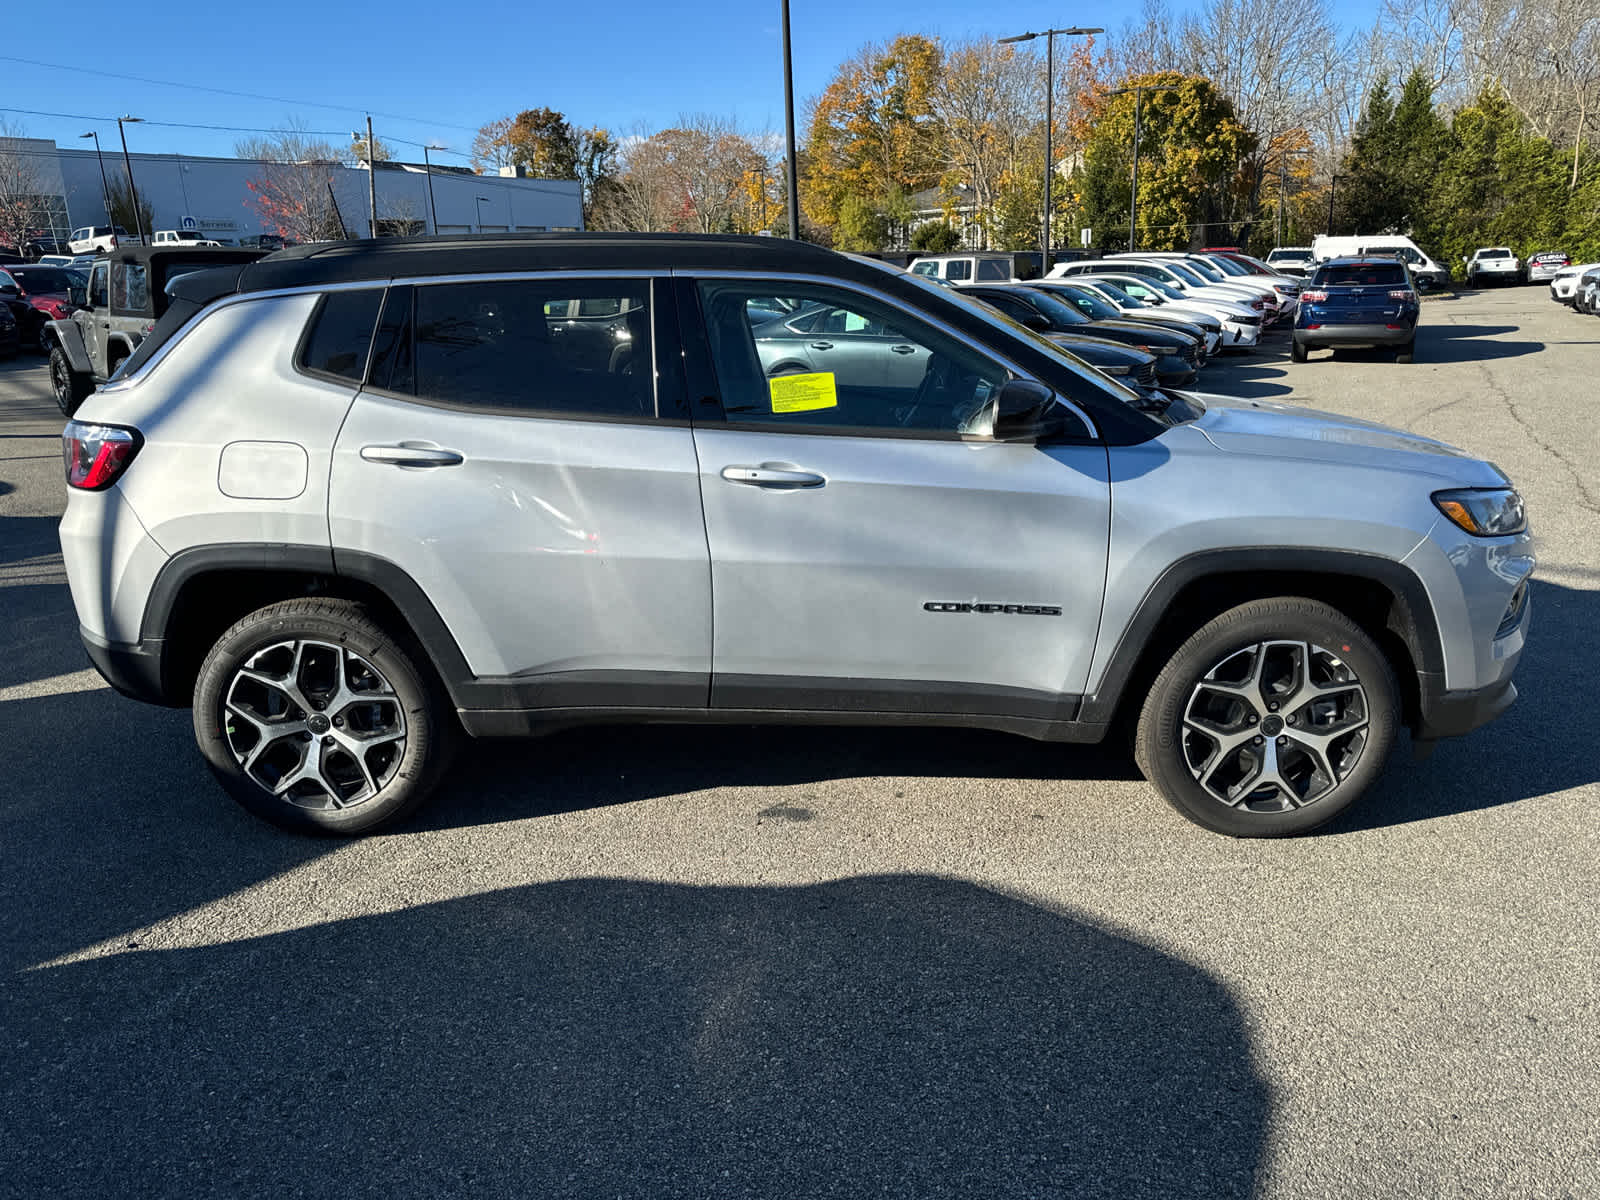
{"type": "Point", "coordinates": [872, 548]}
{"type": "Point", "coordinates": [544, 498]}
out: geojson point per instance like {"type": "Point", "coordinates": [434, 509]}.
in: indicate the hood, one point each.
{"type": "Point", "coordinates": [1100, 351]}
{"type": "Point", "coordinates": [1153, 335]}
{"type": "Point", "coordinates": [1284, 431]}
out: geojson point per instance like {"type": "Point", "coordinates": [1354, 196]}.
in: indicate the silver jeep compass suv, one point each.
{"type": "Point", "coordinates": [355, 500]}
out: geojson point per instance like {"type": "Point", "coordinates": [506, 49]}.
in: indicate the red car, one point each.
{"type": "Point", "coordinates": [45, 294]}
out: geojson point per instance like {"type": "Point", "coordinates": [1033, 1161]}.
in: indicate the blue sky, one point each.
{"type": "Point", "coordinates": [446, 69]}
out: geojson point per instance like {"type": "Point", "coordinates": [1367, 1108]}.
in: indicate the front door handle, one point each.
{"type": "Point", "coordinates": [903, 349]}
{"type": "Point", "coordinates": [822, 345]}
{"type": "Point", "coordinates": [411, 456]}
{"type": "Point", "coordinates": [772, 477]}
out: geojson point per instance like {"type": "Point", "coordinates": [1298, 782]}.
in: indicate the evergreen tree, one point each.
{"type": "Point", "coordinates": [1369, 186]}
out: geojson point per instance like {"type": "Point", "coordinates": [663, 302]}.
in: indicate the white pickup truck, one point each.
{"type": "Point", "coordinates": [183, 237]}
{"type": "Point", "coordinates": [1493, 264]}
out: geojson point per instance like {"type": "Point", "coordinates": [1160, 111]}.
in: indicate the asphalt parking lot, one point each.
{"type": "Point", "coordinates": [755, 962]}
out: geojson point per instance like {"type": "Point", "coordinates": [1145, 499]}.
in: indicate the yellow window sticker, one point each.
{"type": "Point", "coordinates": [803, 393]}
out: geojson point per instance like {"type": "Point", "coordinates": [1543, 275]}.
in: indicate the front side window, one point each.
{"type": "Point", "coordinates": [858, 364]}
{"type": "Point", "coordinates": [929, 269]}
{"type": "Point", "coordinates": [521, 346]}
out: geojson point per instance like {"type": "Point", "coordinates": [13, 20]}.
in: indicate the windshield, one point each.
{"type": "Point", "coordinates": [1204, 270]}
{"type": "Point", "coordinates": [1117, 294]}
{"type": "Point", "coordinates": [42, 279]}
{"type": "Point", "coordinates": [1058, 312]}
{"type": "Point", "coordinates": [1087, 301]}
{"type": "Point", "coordinates": [1193, 278]}
{"type": "Point", "coordinates": [1227, 266]}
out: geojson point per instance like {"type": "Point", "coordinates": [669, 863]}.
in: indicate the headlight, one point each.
{"type": "Point", "coordinates": [1484, 512]}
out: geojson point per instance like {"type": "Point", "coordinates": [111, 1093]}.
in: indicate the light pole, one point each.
{"type": "Point", "coordinates": [791, 184]}
{"type": "Point", "coordinates": [1333, 186]}
{"type": "Point", "coordinates": [133, 192]}
{"type": "Point", "coordinates": [105, 188]}
{"type": "Point", "coordinates": [1049, 36]}
{"type": "Point", "coordinates": [428, 167]}
{"type": "Point", "coordinates": [482, 200]}
{"type": "Point", "coordinates": [1133, 192]}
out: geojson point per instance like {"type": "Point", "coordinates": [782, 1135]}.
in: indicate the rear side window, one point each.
{"type": "Point", "coordinates": [992, 269]}
{"type": "Point", "coordinates": [131, 286]}
{"type": "Point", "coordinates": [958, 268]}
{"type": "Point", "coordinates": [563, 348]}
{"type": "Point", "coordinates": [340, 335]}
{"type": "Point", "coordinates": [1362, 275]}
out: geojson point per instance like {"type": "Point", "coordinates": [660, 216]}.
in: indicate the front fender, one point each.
{"type": "Point", "coordinates": [69, 337]}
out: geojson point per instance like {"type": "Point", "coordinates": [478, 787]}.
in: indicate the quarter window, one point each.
{"type": "Point", "coordinates": [566, 348]}
{"type": "Point", "coordinates": [98, 291]}
{"type": "Point", "coordinates": [341, 335]}
{"type": "Point", "coordinates": [845, 362]}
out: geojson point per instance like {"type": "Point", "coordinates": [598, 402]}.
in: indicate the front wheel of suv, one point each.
{"type": "Point", "coordinates": [1270, 720]}
{"type": "Point", "coordinates": [314, 718]}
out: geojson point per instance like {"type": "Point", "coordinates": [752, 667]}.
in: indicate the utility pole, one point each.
{"type": "Point", "coordinates": [1049, 36]}
{"type": "Point", "coordinates": [372, 180]}
{"type": "Point", "coordinates": [1133, 191]}
{"type": "Point", "coordinates": [105, 188]}
{"type": "Point", "coordinates": [792, 175]}
{"type": "Point", "coordinates": [1333, 186]}
{"type": "Point", "coordinates": [133, 192]}
{"type": "Point", "coordinates": [432, 211]}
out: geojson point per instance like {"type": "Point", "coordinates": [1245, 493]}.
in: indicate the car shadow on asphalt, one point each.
{"type": "Point", "coordinates": [909, 1035]}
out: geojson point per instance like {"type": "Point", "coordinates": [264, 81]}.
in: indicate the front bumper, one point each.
{"type": "Point", "coordinates": [1354, 335]}
{"type": "Point", "coordinates": [1451, 714]}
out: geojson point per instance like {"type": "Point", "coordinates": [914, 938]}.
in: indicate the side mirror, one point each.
{"type": "Point", "coordinates": [1022, 411]}
{"type": "Point", "coordinates": [1037, 323]}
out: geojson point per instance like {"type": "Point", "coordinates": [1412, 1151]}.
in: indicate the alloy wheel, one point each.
{"type": "Point", "coordinates": [1275, 726]}
{"type": "Point", "coordinates": [314, 724]}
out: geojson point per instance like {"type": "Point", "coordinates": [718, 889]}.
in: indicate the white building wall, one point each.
{"type": "Point", "coordinates": [215, 192]}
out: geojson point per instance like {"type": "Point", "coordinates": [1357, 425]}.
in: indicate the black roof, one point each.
{"type": "Point", "coordinates": [474, 254]}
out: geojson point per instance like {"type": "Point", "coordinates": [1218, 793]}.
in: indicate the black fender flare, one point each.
{"type": "Point", "coordinates": [1413, 617]}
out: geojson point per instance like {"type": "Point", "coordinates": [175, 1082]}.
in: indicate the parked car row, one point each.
{"type": "Point", "coordinates": [1577, 285]}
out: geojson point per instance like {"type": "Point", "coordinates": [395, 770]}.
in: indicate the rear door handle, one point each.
{"type": "Point", "coordinates": [772, 477]}
{"type": "Point", "coordinates": [411, 456]}
{"type": "Point", "coordinates": [822, 345]}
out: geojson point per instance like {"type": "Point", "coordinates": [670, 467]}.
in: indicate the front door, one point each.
{"type": "Point", "coordinates": [872, 548]}
{"type": "Point", "coordinates": [528, 487]}
{"type": "Point", "coordinates": [96, 324]}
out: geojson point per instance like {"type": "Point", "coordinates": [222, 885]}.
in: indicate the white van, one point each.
{"type": "Point", "coordinates": [1428, 272]}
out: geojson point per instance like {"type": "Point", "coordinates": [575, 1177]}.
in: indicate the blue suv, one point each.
{"type": "Point", "coordinates": [1353, 302]}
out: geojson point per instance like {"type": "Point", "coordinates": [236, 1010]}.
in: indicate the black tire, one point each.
{"type": "Point", "coordinates": [1166, 742]}
{"type": "Point", "coordinates": [1299, 352]}
{"type": "Point", "coordinates": [1407, 352]}
{"type": "Point", "coordinates": [69, 386]}
{"type": "Point", "coordinates": [312, 638]}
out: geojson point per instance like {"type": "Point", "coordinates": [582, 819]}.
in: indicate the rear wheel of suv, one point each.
{"type": "Point", "coordinates": [1270, 720]}
{"type": "Point", "coordinates": [1299, 352]}
{"type": "Point", "coordinates": [314, 718]}
{"type": "Point", "coordinates": [69, 387]}
{"type": "Point", "coordinates": [1406, 352]}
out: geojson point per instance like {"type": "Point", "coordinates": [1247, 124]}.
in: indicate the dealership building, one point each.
{"type": "Point", "coordinates": [214, 196]}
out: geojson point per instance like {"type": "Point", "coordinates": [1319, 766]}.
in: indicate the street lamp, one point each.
{"type": "Point", "coordinates": [482, 200]}
{"type": "Point", "coordinates": [1138, 92]}
{"type": "Point", "coordinates": [1049, 36]}
{"type": "Point", "coordinates": [432, 211]}
{"type": "Point", "coordinates": [1333, 186]}
{"type": "Point", "coordinates": [105, 188]}
{"type": "Point", "coordinates": [133, 192]}
{"type": "Point", "coordinates": [791, 185]}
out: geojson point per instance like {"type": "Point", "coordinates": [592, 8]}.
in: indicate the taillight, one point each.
{"type": "Point", "coordinates": [1403, 294]}
{"type": "Point", "coordinates": [1310, 297]}
{"type": "Point", "coordinates": [97, 455]}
